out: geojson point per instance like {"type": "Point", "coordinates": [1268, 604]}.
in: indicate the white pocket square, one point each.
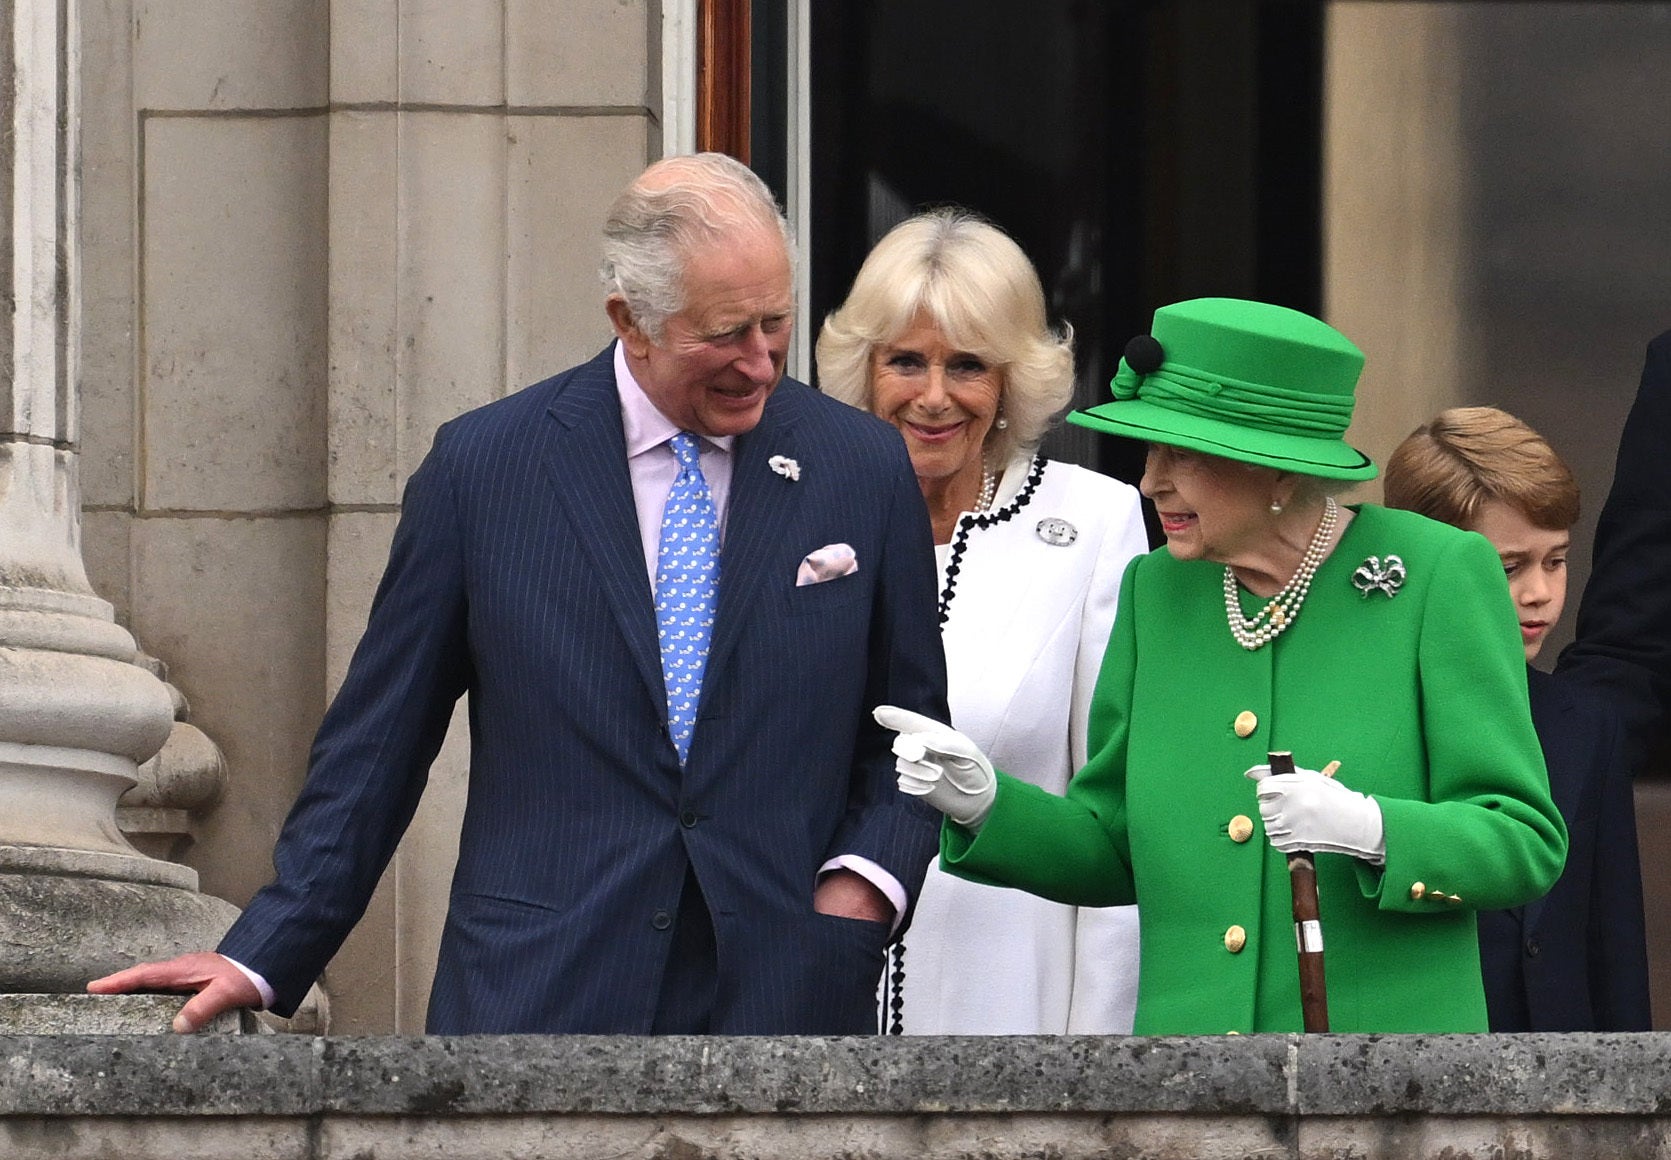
{"type": "Point", "coordinates": [827, 563]}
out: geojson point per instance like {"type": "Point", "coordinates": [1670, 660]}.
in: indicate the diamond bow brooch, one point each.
{"type": "Point", "coordinates": [1374, 575]}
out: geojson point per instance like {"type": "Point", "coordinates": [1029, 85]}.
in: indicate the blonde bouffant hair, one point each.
{"type": "Point", "coordinates": [1466, 456]}
{"type": "Point", "coordinates": [978, 287]}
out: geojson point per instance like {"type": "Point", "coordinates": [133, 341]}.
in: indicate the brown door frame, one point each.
{"type": "Point", "coordinates": [723, 64]}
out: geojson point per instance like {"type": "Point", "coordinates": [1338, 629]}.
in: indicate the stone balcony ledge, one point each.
{"type": "Point", "coordinates": [688, 1098]}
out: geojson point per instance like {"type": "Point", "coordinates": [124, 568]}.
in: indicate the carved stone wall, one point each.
{"type": "Point", "coordinates": [313, 230]}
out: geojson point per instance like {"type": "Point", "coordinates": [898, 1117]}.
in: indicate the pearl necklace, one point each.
{"type": "Point", "coordinates": [1272, 620]}
{"type": "Point", "coordinates": [989, 488]}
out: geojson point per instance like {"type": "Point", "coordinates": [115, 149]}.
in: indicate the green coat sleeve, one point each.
{"type": "Point", "coordinates": [1070, 849]}
{"type": "Point", "coordinates": [1488, 836]}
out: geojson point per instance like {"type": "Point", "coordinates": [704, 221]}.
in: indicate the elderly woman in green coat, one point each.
{"type": "Point", "coordinates": [1376, 645]}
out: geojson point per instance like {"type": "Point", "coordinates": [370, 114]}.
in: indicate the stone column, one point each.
{"type": "Point", "coordinates": [77, 714]}
{"type": "Point", "coordinates": [1395, 171]}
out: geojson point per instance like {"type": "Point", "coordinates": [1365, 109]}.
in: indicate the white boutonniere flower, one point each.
{"type": "Point", "coordinates": [785, 467]}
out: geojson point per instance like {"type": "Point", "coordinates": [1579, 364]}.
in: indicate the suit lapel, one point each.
{"type": "Point", "coordinates": [587, 460]}
{"type": "Point", "coordinates": [759, 509]}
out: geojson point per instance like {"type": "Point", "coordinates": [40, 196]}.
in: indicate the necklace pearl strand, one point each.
{"type": "Point", "coordinates": [1272, 620]}
{"type": "Point", "coordinates": [989, 488]}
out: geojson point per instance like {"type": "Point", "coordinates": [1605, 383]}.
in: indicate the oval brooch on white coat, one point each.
{"type": "Point", "coordinates": [1057, 531]}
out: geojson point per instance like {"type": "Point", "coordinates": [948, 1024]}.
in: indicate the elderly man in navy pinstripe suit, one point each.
{"type": "Point", "coordinates": [741, 881]}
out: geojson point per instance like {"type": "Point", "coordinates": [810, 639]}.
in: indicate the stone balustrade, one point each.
{"type": "Point", "coordinates": [294, 1097]}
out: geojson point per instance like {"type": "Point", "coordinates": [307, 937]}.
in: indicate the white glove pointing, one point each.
{"type": "Point", "coordinates": [940, 765]}
{"type": "Point", "coordinates": [1307, 811]}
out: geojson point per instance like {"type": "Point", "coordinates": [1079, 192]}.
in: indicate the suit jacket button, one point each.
{"type": "Point", "coordinates": [1235, 939]}
{"type": "Point", "coordinates": [1241, 828]}
{"type": "Point", "coordinates": [1533, 948]}
{"type": "Point", "coordinates": [662, 920]}
{"type": "Point", "coordinates": [1246, 723]}
{"type": "Point", "coordinates": [688, 819]}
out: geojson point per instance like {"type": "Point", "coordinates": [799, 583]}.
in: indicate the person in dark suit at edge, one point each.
{"type": "Point", "coordinates": [1623, 641]}
{"type": "Point", "coordinates": [672, 582]}
{"type": "Point", "coordinates": [1576, 959]}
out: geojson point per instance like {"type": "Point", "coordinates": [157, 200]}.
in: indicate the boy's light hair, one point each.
{"type": "Point", "coordinates": [1463, 457]}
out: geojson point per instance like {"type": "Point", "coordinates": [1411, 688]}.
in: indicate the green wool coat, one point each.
{"type": "Point", "coordinates": [1421, 696]}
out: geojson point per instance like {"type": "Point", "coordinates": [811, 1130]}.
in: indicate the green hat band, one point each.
{"type": "Point", "coordinates": [1238, 401]}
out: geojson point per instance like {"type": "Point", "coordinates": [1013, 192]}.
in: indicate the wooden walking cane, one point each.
{"type": "Point", "coordinates": [1308, 929]}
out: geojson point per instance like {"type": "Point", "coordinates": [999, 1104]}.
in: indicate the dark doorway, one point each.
{"type": "Point", "coordinates": [1140, 152]}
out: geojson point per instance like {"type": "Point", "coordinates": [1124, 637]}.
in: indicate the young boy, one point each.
{"type": "Point", "coordinates": [1575, 960]}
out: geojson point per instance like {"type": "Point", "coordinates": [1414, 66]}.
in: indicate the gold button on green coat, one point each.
{"type": "Point", "coordinates": [1246, 723]}
{"type": "Point", "coordinates": [1235, 939]}
{"type": "Point", "coordinates": [1241, 828]}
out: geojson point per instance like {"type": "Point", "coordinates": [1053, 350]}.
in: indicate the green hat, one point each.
{"type": "Point", "coordinates": [1246, 380]}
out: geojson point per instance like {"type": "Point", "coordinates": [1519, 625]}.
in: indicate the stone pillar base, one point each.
{"type": "Point", "coordinates": [108, 1015]}
{"type": "Point", "coordinates": [58, 931]}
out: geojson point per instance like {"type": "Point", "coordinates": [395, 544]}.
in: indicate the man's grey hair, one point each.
{"type": "Point", "coordinates": [675, 205]}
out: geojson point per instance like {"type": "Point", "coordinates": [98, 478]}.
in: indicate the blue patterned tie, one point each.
{"type": "Point", "coordinates": [687, 575]}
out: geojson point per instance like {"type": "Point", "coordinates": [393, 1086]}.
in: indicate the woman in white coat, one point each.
{"type": "Point", "coordinates": [945, 336]}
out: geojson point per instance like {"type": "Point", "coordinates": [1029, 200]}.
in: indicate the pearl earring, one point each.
{"type": "Point", "coordinates": [1002, 423]}
{"type": "Point", "coordinates": [1276, 507]}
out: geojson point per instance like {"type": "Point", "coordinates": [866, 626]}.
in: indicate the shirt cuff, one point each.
{"type": "Point", "coordinates": [267, 996]}
{"type": "Point", "coordinates": [877, 877]}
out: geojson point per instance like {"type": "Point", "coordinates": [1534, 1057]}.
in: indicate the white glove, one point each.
{"type": "Point", "coordinates": [1306, 811]}
{"type": "Point", "coordinates": [941, 766]}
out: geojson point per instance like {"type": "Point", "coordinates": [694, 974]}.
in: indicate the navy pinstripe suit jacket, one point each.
{"type": "Point", "coordinates": [517, 576]}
